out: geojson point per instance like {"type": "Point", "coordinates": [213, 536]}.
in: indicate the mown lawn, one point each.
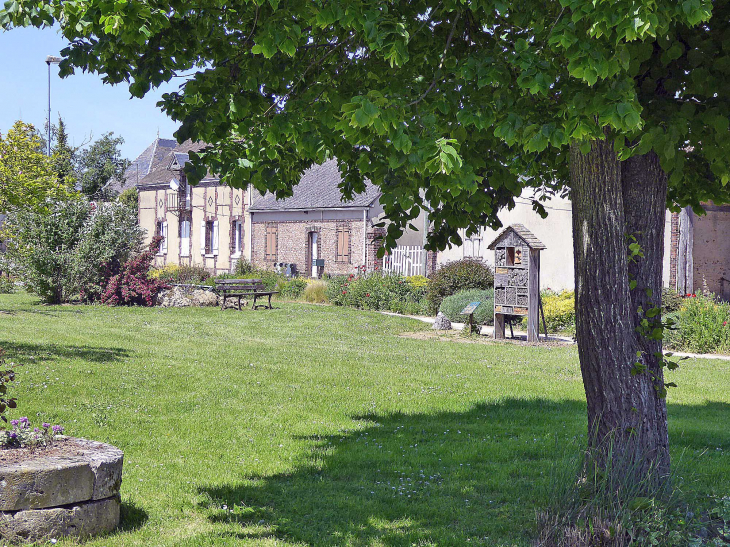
{"type": "Point", "coordinates": [315, 425]}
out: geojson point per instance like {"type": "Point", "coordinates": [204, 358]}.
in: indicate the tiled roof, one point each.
{"type": "Point", "coordinates": [160, 172]}
{"type": "Point", "coordinates": [317, 189]}
{"type": "Point", "coordinates": [521, 231]}
{"type": "Point", "coordinates": [141, 167]}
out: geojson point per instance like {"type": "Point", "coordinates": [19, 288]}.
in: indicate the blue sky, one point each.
{"type": "Point", "coordinates": [87, 106]}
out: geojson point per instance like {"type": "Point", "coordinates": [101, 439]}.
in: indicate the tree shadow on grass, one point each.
{"type": "Point", "coordinates": [445, 478]}
{"type": "Point", "coordinates": [404, 479]}
{"type": "Point", "coordinates": [133, 517]}
{"type": "Point", "coordinates": [23, 353]}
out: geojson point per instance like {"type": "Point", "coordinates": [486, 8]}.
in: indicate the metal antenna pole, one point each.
{"type": "Point", "coordinates": [49, 106]}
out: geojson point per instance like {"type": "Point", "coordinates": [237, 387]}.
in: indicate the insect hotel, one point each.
{"type": "Point", "coordinates": [517, 279]}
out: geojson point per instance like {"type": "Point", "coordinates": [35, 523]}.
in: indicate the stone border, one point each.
{"type": "Point", "coordinates": [77, 495]}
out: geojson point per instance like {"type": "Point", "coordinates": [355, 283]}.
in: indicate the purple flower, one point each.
{"type": "Point", "coordinates": [13, 435]}
{"type": "Point", "coordinates": [24, 420]}
{"type": "Point", "coordinates": [58, 429]}
{"type": "Point", "coordinates": [36, 430]}
{"type": "Point", "coordinates": [46, 425]}
{"type": "Point", "coordinates": [14, 422]}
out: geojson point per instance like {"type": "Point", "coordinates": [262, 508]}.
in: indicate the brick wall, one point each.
{"type": "Point", "coordinates": [293, 245]}
{"type": "Point", "coordinates": [375, 242]}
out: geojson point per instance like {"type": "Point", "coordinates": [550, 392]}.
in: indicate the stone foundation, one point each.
{"type": "Point", "coordinates": [74, 494]}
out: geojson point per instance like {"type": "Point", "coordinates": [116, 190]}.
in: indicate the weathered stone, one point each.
{"type": "Point", "coordinates": [200, 297]}
{"type": "Point", "coordinates": [78, 520]}
{"type": "Point", "coordinates": [442, 322]}
{"type": "Point", "coordinates": [93, 472]}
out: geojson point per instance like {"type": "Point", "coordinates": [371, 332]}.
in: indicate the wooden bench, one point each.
{"type": "Point", "coordinates": [242, 287]}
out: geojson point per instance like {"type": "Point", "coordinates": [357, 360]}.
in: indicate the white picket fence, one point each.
{"type": "Point", "coordinates": [406, 260]}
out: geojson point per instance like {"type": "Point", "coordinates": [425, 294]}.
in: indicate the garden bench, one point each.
{"type": "Point", "coordinates": [242, 287]}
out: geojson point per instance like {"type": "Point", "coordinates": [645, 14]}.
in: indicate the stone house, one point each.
{"type": "Point", "coordinates": [314, 229]}
{"type": "Point", "coordinates": [214, 226]}
{"type": "Point", "coordinates": [203, 225]}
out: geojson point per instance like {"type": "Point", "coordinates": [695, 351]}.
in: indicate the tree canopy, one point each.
{"type": "Point", "coordinates": [457, 105]}
{"type": "Point", "coordinates": [27, 175]}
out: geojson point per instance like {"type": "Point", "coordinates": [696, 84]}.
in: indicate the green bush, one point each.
{"type": "Point", "coordinates": [72, 250]}
{"type": "Point", "coordinates": [671, 300]}
{"type": "Point", "coordinates": [376, 291]}
{"type": "Point", "coordinates": [316, 292]}
{"type": "Point", "coordinates": [559, 308]}
{"type": "Point", "coordinates": [451, 306]}
{"type": "Point", "coordinates": [243, 268]}
{"type": "Point", "coordinates": [184, 275]}
{"type": "Point", "coordinates": [702, 326]}
{"type": "Point", "coordinates": [7, 285]}
{"type": "Point", "coordinates": [293, 288]}
{"type": "Point", "coordinates": [468, 273]}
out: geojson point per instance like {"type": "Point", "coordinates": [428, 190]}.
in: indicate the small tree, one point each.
{"type": "Point", "coordinates": [64, 157]}
{"type": "Point", "coordinates": [130, 198]}
{"type": "Point", "coordinates": [101, 163]}
{"type": "Point", "coordinates": [27, 176]}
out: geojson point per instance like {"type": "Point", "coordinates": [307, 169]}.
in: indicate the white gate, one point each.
{"type": "Point", "coordinates": [408, 260]}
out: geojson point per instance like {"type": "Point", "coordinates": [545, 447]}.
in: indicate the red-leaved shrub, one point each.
{"type": "Point", "coordinates": [132, 286]}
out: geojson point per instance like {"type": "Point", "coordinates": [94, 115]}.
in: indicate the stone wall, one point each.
{"type": "Point", "coordinates": [293, 245]}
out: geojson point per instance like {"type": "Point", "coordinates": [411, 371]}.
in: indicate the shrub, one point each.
{"type": "Point", "coordinates": [132, 286]}
{"type": "Point", "coordinates": [292, 288]}
{"type": "Point", "coordinates": [671, 300]}
{"type": "Point", "coordinates": [7, 285]}
{"type": "Point", "coordinates": [559, 308]}
{"type": "Point", "coordinates": [468, 273]}
{"type": "Point", "coordinates": [109, 238]}
{"type": "Point", "coordinates": [702, 326]}
{"type": "Point", "coordinates": [376, 291]}
{"type": "Point", "coordinates": [451, 306]}
{"type": "Point", "coordinates": [315, 292]}
{"type": "Point", "coordinates": [41, 248]}
{"type": "Point", "coordinates": [73, 249]}
{"type": "Point", "coordinates": [419, 282]}
{"type": "Point", "coordinates": [130, 199]}
{"type": "Point", "coordinates": [243, 268]}
{"type": "Point", "coordinates": [185, 275]}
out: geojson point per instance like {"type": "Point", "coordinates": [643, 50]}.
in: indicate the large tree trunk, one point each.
{"type": "Point", "coordinates": [626, 411]}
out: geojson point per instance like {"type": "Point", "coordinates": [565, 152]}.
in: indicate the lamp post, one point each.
{"type": "Point", "coordinates": [50, 60]}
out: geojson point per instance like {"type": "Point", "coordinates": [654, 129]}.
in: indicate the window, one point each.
{"type": "Point", "coordinates": [184, 238]}
{"type": "Point", "coordinates": [271, 242]}
{"type": "Point", "coordinates": [209, 238]}
{"type": "Point", "coordinates": [161, 230]}
{"type": "Point", "coordinates": [343, 244]}
{"type": "Point", "coordinates": [236, 237]}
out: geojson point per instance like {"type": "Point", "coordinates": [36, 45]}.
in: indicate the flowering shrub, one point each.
{"type": "Point", "coordinates": [132, 286]}
{"type": "Point", "coordinates": [418, 282]}
{"type": "Point", "coordinates": [376, 291]}
{"type": "Point", "coordinates": [451, 306]}
{"type": "Point", "coordinates": [23, 435]}
{"type": "Point", "coordinates": [468, 273]}
{"type": "Point", "coordinates": [702, 325]}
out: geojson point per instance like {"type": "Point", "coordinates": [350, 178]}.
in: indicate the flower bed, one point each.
{"type": "Point", "coordinates": [378, 291]}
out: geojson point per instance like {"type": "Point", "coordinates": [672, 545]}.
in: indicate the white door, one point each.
{"type": "Point", "coordinates": [313, 239]}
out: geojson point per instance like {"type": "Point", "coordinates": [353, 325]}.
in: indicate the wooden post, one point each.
{"type": "Point", "coordinates": [498, 326]}
{"type": "Point", "coordinates": [533, 303]}
{"type": "Point", "coordinates": [685, 264]}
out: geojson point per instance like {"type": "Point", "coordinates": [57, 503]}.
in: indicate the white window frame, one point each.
{"type": "Point", "coordinates": [185, 239]}
{"type": "Point", "coordinates": [237, 226]}
{"type": "Point", "coordinates": [161, 229]}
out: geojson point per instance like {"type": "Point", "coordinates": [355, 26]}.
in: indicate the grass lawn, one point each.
{"type": "Point", "coordinates": [316, 425]}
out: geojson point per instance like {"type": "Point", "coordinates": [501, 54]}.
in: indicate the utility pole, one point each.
{"type": "Point", "coordinates": [50, 60]}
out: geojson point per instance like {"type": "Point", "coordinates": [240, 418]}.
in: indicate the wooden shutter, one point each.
{"type": "Point", "coordinates": [203, 234]}
{"type": "Point", "coordinates": [214, 245]}
{"type": "Point", "coordinates": [270, 242]}
{"type": "Point", "coordinates": [343, 244]}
